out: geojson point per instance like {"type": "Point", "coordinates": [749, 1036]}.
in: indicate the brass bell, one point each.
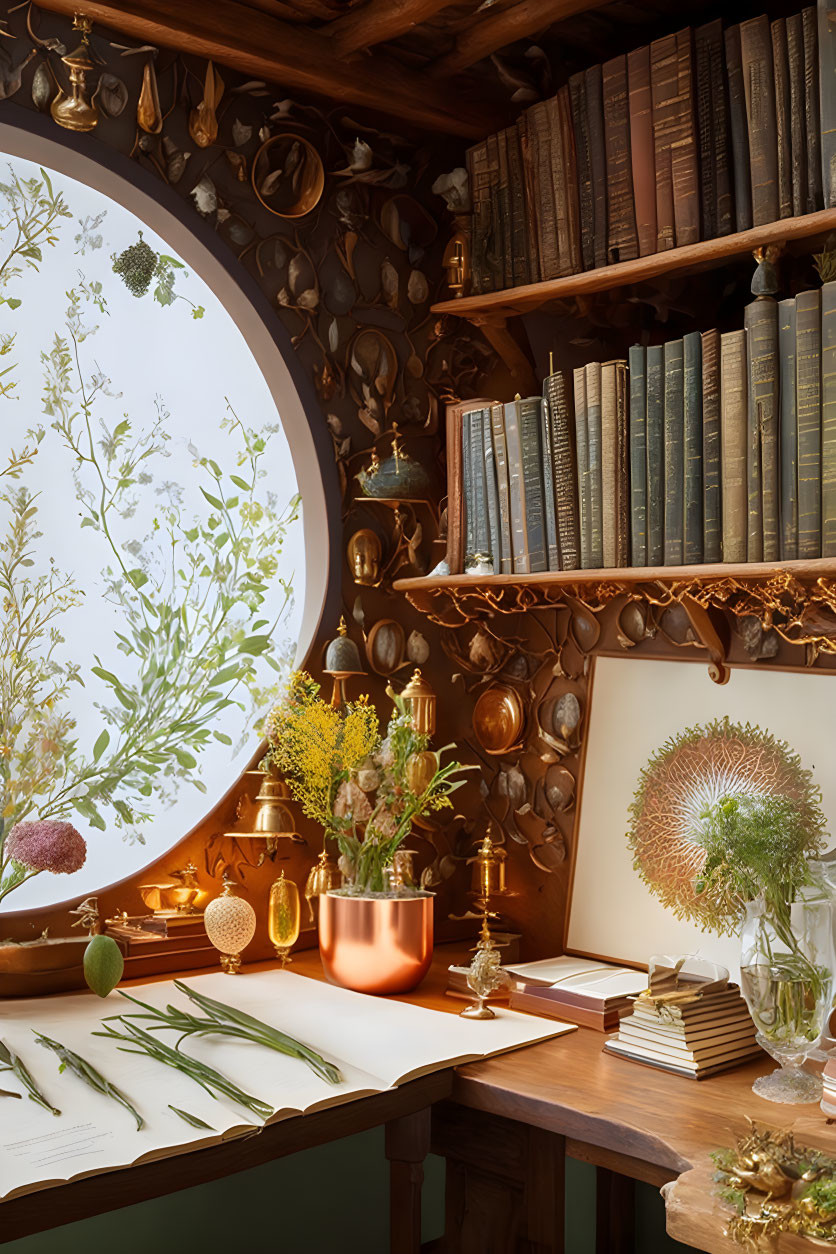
{"type": "Point", "coordinates": [323, 875]}
{"type": "Point", "coordinates": [271, 817]}
{"type": "Point", "coordinates": [342, 660]}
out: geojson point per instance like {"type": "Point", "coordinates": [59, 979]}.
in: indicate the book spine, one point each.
{"type": "Point", "coordinates": [516, 490]}
{"type": "Point", "coordinates": [609, 463]}
{"type": "Point", "coordinates": [570, 177]}
{"type": "Point", "coordinates": [828, 420]}
{"type": "Point", "coordinates": [674, 453]}
{"type": "Point", "coordinates": [492, 493]}
{"type": "Point", "coordinates": [580, 126]}
{"type": "Point", "coordinates": [827, 97]}
{"type": "Point", "coordinates": [532, 470]}
{"type": "Point", "coordinates": [684, 160]}
{"type": "Point", "coordinates": [761, 324]}
{"type": "Point", "coordinates": [663, 84]}
{"type": "Point", "coordinates": [582, 455]}
{"type": "Point", "coordinates": [759, 92]}
{"type": "Point", "coordinates": [712, 531]}
{"type": "Point", "coordinates": [641, 148]}
{"type": "Point", "coordinates": [798, 130]}
{"type": "Point", "coordinates": [549, 504]}
{"type": "Point", "coordinates": [788, 431]}
{"type": "Point", "coordinates": [623, 243]}
{"type": "Point", "coordinates": [493, 257]}
{"type": "Point", "coordinates": [529, 176]}
{"type": "Point", "coordinates": [469, 513]}
{"type": "Point", "coordinates": [593, 86]}
{"type": "Point", "coordinates": [481, 521]}
{"type": "Point", "coordinates": [622, 465]}
{"type": "Point", "coordinates": [739, 132]}
{"type": "Point", "coordinates": [655, 455]}
{"type": "Point", "coordinates": [504, 212]}
{"type": "Point", "coordinates": [721, 129]}
{"type": "Point", "coordinates": [519, 229]}
{"type": "Point", "coordinates": [506, 559]}
{"type": "Point", "coordinates": [637, 362]}
{"type": "Point", "coordinates": [733, 417]}
{"type": "Point", "coordinates": [808, 411]}
{"type": "Point", "coordinates": [558, 179]}
{"type": "Point", "coordinates": [564, 470]}
{"type": "Point", "coordinates": [455, 489]}
{"type": "Point", "coordinates": [538, 125]}
{"type": "Point", "coordinates": [477, 163]}
{"type": "Point", "coordinates": [781, 67]}
{"type": "Point", "coordinates": [703, 37]}
{"type": "Point", "coordinates": [593, 422]}
{"type": "Point", "coordinates": [692, 446]}
{"type": "Point", "coordinates": [812, 118]}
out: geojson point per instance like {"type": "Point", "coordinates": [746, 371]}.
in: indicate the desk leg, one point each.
{"type": "Point", "coordinates": [614, 1212]}
{"type": "Point", "coordinates": [407, 1145]}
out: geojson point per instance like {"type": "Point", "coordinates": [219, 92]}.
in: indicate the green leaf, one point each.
{"type": "Point", "coordinates": [101, 744]}
{"type": "Point", "coordinates": [138, 578]}
{"type": "Point", "coordinates": [185, 759]}
{"type": "Point", "coordinates": [254, 644]}
{"type": "Point", "coordinates": [213, 500]}
{"type": "Point", "coordinates": [222, 737]}
{"type": "Point", "coordinates": [107, 676]}
{"type": "Point", "coordinates": [13, 302]}
{"type": "Point", "coordinates": [240, 483]}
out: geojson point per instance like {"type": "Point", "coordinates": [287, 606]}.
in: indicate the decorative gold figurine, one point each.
{"type": "Point", "coordinates": [76, 111]}
{"type": "Point", "coordinates": [230, 926]}
{"type": "Point", "coordinates": [176, 895]}
{"type": "Point", "coordinates": [283, 919]}
{"type": "Point", "coordinates": [485, 975]}
{"type": "Point", "coordinates": [87, 916]}
{"type": "Point", "coordinates": [364, 553]}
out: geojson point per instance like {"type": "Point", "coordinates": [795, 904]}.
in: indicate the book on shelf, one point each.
{"type": "Point", "coordinates": [734, 408]}
{"type": "Point", "coordinates": [798, 127]}
{"type": "Point", "coordinates": [828, 420]}
{"type": "Point", "coordinates": [637, 367]}
{"type": "Point", "coordinates": [582, 458]}
{"type": "Point", "coordinates": [567, 176]}
{"type": "Point", "coordinates": [556, 402]}
{"type": "Point", "coordinates": [759, 95]}
{"type": "Point", "coordinates": [614, 471]}
{"type": "Point", "coordinates": [674, 410]}
{"type": "Point", "coordinates": [692, 431]}
{"type": "Point", "coordinates": [663, 82]}
{"type": "Point", "coordinates": [503, 212]}
{"type": "Point", "coordinates": [783, 129]}
{"type": "Point", "coordinates": [789, 430]}
{"type": "Point", "coordinates": [622, 238]}
{"type": "Point", "coordinates": [761, 326]}
{"type": "Point", "coordinates": [506, 553]}
{"type": "Point", "coordinates": [583, 158]}
{"type": "Point", "coordinates": [593, 86]}
{"type": "Point", "coordinates": [712, 522]}
{"type": "Point", "coordinates": [593, 425]}
{"type": "Point", "coordinates": [655, 455]}
{"type": "Point", "coordinates": [738, 131]}
{"type": "Point", "coordinates": [827, 95]}
{"type": "Point", "coordinates": [808, 410]}
{"type": "Point", "coordinates": [641, 148]}
{"type": "Point", "coordinates": [812, 108]}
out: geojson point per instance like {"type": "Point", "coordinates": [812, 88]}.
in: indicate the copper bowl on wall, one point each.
{"type": "Point", "coordinates": [376, 944]}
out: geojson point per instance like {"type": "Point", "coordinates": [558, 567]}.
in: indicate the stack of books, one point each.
{"type": "Point", "coordinates": [709, 448]}
{"type": "Point", "coordinates": [591, 994]}
{"type": "Point", "coordinates": [695, 136]}
{"type": "Point", "coordinates": [690, 1027]}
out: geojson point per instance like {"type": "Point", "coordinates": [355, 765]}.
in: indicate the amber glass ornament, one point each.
{"type": "Point", "coordinates": [283, 917]}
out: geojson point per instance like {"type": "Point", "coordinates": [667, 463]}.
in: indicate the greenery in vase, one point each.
{"type": "Point", "coordinates": [190, 594]}
{"type": "Point", "coordinates": [366, 790]}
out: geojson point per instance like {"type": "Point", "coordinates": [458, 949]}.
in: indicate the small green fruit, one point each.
{"type": "Point", "coordinates": [103, 965]}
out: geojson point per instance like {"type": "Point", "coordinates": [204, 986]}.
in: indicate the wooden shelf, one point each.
{"type": "Point", "coordinates": [702, 256]}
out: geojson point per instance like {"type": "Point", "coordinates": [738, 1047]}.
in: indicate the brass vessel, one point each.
{"type": "Point", "coordinates": [177, 894]}
{"type": "Point", "coordinates": [76, 111]}
{"type": "Point", "coordinates": [376, 944]}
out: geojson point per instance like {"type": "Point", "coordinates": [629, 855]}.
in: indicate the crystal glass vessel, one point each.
{"type": "Point", "coordinates": [786, 976]}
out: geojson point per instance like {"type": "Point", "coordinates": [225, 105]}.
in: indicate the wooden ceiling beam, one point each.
{"type": "Point", "coordinates": [292, 57]}
{"type": "Point", "coordinates": [488, 33]}
{"type": "Point", "coordinates": [380, 20]}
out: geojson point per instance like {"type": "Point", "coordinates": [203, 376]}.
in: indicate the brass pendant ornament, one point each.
{"type": "Point", "coordinates": [76, 111]}
{"type": "Point", "coordinates": [283, 918]}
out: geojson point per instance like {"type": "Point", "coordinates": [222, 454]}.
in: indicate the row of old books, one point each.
{"type": "Point", "coordinates": [691, 1028]}
{"type": "Point", "coordinates": [715, 447]}
{"type": "Point", "coordinates": [700, 134]}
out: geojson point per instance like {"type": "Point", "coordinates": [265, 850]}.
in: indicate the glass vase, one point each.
{"type": "Point", "coordinates": [786, 976]}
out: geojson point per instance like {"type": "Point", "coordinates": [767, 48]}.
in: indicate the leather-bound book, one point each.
{"type": "Point", "coordinates": [492, 492]}
{"type": "Point", "coordinates": [609, 463]}
{"type": "Point", "coordinates": [516, 489]}
{"type": "Point", "coordinates": [468, 487]}
{"type": "Point", "coordinates": [478, 497]}
{"type": "Point", "coordinates": [828, 420]}
{"type": "Point", "coordinates": [674, 453]}
{"type": "Point", "coordinates": [582, 455]}
{"type": "Point", "coordinates": [722, 130]}
{"type": "Point", "coordinates": [623, 243]}
{"type": "Point", "coordinates": [622, 465]}
{"type": "Point", "coordinates": [529, 177]}
{"type": "Point", "coordinates": [684, 159]}
{"type": "Point", "coordinates": [593, 424]}
{"type": "Point", "coordinates": [760, 321]}
{"type": "Point", "coordinates": [692, 446]}
{"type": "Point", "coordinates": [519, 227]}
{"type": "Point", "coordinates": [505, 210]}
{"type": "Point", "coordinates": [655, 455]}
{"type": "Point", "coordinates": [494, 251]}
{"type": "Point", "coordinates": [783, 122]}
{"type": "Point", "coordinates": [529, 410]}
{"type": "Point", "coordinates": [557, 178]}
{"type": "Point", "coordinates": [479, 179]}
{"type": "Point", "coordinates": [812, 111]}
{"type": "Point", "coordinates": [712, 529]}
{"type": "Point", "coordinates": [808, 411]}
{"type": "Point", "coordinates": [641, 148]}
{"type": "Point", "coordinates": [798, 130]}
{"type": "Point", "coordinates": [455, 489]}
{"type": "Point", "coordinates": [739, 132]}
{"type": "Point", "coordinates": [663, 83]}
{"type": "Point", "coordinates": [537, 123]}
{"type": "Point", "coordinates": [506, 555]}
{"type": "Point", "coordinates": [788, 431]}
{"type": "Point", "coordinates": [759, 91]}
{"type": "Point", "coordinates": [704, 36]}
{"type": "Point", "coordinates": [556, 397]}
{"type": "Point", "coordinates": [637, 364]}
{"type": "Point", "coordinates": [549, 506]}
{"type": "Point", "coordinates": [733, 425]}
{"type": "Point", "coordinates": [583, 156]}
{"type": "Point", "coordinates": [570, 178]}
{"type": "Point", "coordinates": [827, 95]}
{"type": "Point", "coordinates": [593, 84]}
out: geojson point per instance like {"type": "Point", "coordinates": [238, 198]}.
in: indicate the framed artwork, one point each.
{"type": "Point", "coordinates": [636, 706]}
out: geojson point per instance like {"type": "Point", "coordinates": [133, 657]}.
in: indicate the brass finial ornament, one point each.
{"type": "Point", "coordinates": [76, 111]}
{"type": "Point", "coordinates": [342, 660]}
{"type": "Point", "coordinates": [422, 701]}
{"type": "Point", "coordinates": [484, 975]}
{"type": "Point", "coordinates": [230, 925]}
{"type": "Point", "coordinates": [283, 918]}
{"type": "Point", "coordinates": [323, 875]}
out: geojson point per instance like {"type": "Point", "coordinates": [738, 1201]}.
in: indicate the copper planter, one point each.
{"type": "Point", "coordinates": [376, 944]}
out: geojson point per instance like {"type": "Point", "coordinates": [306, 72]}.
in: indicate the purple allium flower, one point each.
{"type": "Point", "coordinates": [47, 845]}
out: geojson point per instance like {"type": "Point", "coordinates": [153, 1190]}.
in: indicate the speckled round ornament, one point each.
{"type": "Point", "coordinates": [230, 926]}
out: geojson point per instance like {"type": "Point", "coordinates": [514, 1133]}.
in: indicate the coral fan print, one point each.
{"type": "Point", "coordinates": [151, 552]}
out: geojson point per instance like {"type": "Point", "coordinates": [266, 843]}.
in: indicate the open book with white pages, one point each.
{"type": "Point", "coordinates": [376, 1043]}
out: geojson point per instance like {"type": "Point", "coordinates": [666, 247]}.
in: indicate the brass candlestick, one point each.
{"type": "Point", "coordinates": [485, 974]}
